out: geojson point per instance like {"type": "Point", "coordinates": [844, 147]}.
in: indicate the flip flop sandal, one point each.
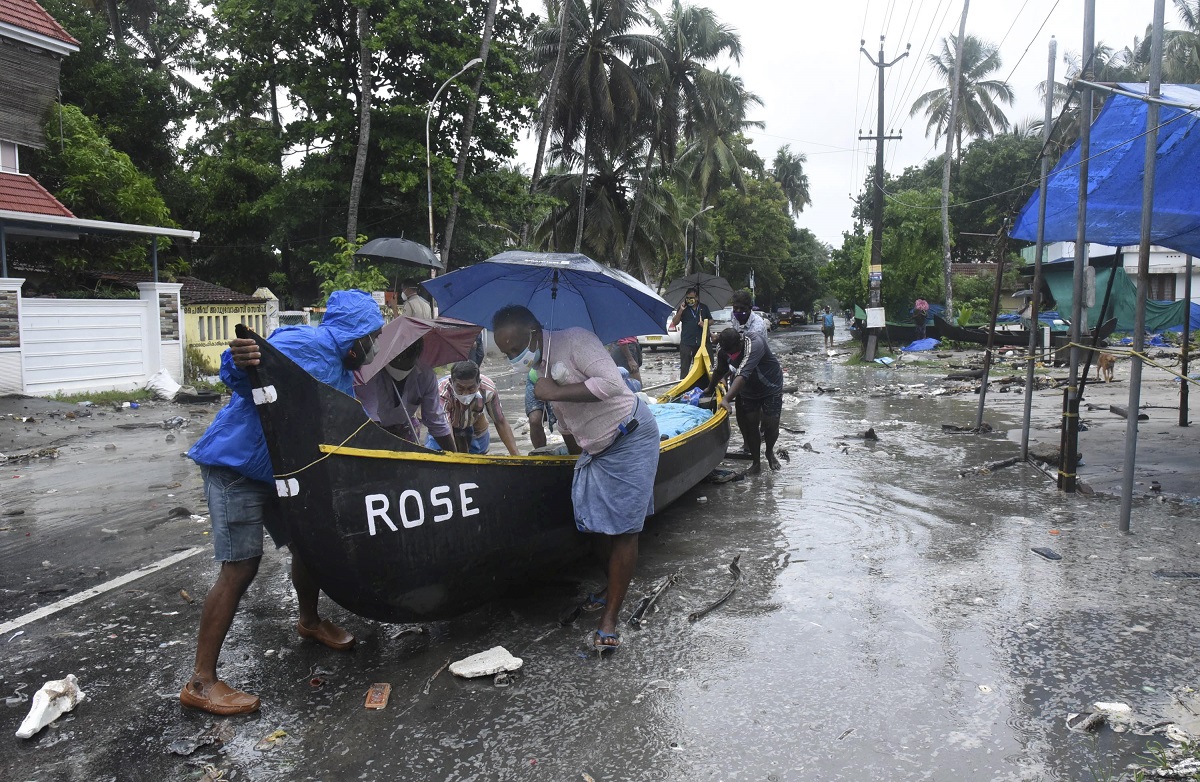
{"type": "Point", "coordinates": [599, 638]}
{"type": "Point", "coordinates": [594, 603]}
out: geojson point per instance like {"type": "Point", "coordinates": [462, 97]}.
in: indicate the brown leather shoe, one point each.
{"type": "Point", "coordinates": [329, 634]}
{"type": "Point", "coordinates": [220, 699]}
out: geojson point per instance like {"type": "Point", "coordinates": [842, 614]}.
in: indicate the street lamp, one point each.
{"type": "Point", "coordinates": [686, 228]}
{"type": "Point", "coordinates": [428, 157]}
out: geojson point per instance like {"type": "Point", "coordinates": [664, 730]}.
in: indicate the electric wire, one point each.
{"type": "Point", "coordinates": [1031, 40]}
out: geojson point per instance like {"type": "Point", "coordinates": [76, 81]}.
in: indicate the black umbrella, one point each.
{"type": "Point", "coordinates": [714, 291]}
{"type": "Point", "coordinates": [399, 251]}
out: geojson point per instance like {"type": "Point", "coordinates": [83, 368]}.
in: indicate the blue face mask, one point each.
{"type": "Point", "coordinates": [527, 359]}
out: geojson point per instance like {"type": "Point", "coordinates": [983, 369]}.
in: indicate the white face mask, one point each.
{"type": "Point", "coordinates": [403, 296]}
{"type": "Point", "coordinates": [398, 374]}
{"type": "Point", "coordinates": [466, 399]}
{"type": "Point", "coordinates": [527, 358]}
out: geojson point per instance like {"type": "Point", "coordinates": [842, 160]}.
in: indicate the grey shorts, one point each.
{"type": "Point", "coordinates": [533, 403]}
{"type": "Point", "coordinates": [239, 509]}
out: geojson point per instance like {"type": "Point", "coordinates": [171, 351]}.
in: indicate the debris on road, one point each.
{"type": "Point", "coordinates": [1048, 553]}
{"type": "Point", "coordinates": [486, 663]}
{"type": "Point", "coordinates": [377, 695]}
{"type": "Point", "coordinates": [649, 600]}
{"type": "Point", "coordinates": [270, 741]}
{"type": "Point", "coordinates": [54, 699]}
{"type": "Point", "coordinates": [737, 577]}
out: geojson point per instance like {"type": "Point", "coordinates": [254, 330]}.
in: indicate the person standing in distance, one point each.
{"type": "Point", "coordinates": [415, 305]}
{"type": "Point", "coordinates": [690, 316]}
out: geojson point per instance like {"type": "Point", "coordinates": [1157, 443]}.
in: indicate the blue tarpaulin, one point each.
{"type": "Point", "coordinates": [928, 343]}
{"type": "Point", "coordinates": [1115, 178]}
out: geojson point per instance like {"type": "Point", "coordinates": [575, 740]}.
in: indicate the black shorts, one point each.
{"type": "Point", "coordinates": [771, 406]}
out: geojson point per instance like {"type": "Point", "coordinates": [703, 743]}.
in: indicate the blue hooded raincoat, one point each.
{"type": "Point", "coordinates": [235, 437]}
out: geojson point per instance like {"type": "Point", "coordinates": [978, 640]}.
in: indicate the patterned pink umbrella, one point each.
{"type": "Point", "coordinates": [446, 340]}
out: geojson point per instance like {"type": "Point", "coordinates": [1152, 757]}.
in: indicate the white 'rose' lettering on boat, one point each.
{"type": "Point", "coordinates": [411, 507]}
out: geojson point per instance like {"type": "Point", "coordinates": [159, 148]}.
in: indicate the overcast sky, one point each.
{"type": "Point", "coordinates": [802, 58]}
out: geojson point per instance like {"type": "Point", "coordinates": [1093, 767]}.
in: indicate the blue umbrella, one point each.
{"type": "Point", "coordinates": [561, 289]}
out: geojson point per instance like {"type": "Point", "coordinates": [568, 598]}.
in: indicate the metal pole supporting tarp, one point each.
{"type": "Point", "coordinates": [1187, 338]}
{"type": "Point", "coordinates": [1068, 459]}
{"type": "Point", "coordinates": [1038, 251]}
{"type": "Point", "coordinates": [1143, 277]}
{"type": "Point", "coordinates": [154, 256]}
{"type": "Point", "coordinates": [991, 340]}
{"type": "Point", "coordinates": [3, 252]}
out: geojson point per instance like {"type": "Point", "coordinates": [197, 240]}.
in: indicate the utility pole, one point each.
{"type": "Point", "coordinates": [876, 270]}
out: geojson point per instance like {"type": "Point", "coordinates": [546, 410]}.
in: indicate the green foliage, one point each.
{"type": "Point", "coordinates": [995, 180]}
{"type": "Point", "coordinates": [801, 269]}
{"type": "Point", "coordinates": [751, 230]}
{"type": "Point", "coordinates": [842, 276]}
{"type": "Point", "coordinates": [912, 256]}
{"type": "Point", "coordinates": [196, 366]}
{"type": "Point", "coordinates": [96, 181]}
{"type": "Point", "coordinates": [340, 272]}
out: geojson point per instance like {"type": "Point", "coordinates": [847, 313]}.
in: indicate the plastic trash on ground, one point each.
{"type": "Point", "coordinates": [162, 385]}
{"type": "Point", "coordinates": [54, 699]}
{"type": "Point", "coordinates": [493, 661]}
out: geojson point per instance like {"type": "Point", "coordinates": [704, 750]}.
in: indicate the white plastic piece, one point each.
{"type": "Point", "coordinates": [49, 703]}
{"type": "Point", "coordinates": [288, 487]}
{"type": "Point", "coordinates": [162, 385]}
{"type": "Point", "coordinates": [1113, 708]}
{"type": "Point", "coordinates": [265, 395]}
{"type": "Point", "coordinates": [493, 661]}
{"type": "Point", "coordinates": [558, 372]}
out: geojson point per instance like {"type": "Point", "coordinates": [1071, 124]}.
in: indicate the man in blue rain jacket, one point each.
{"type": "Point", "coordinates": [239, 485]}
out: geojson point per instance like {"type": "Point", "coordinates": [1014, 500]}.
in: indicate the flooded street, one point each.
{"type": "Point", "coordinates": [891, 622]}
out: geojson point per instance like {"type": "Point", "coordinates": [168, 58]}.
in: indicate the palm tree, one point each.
{"type": "Point", "coordinates": [609, 217]}
{"type": "Point", "coordinates": [688, 39]}
{"type": "Point", "coordinates": [788, 171]}
{"type": "Point", "coordinates": [1181, 48]}
{"type": "Point", "coordinates": [601, 93]}
{"type": "Point", "coordinates": [1110, 65]}
{"type": "Point", "coordinates": [715, 155]}
{"type": "Point", "coordinates": [979, 99]}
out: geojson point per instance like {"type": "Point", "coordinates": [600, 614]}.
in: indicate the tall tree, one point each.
{"type": "Point", "coordinates": [365, 89]}
{"type": "Point", "coordinates": [603, 94]}
{"type": "Point", "coordinates": [980, 98]}
{"type": "Point", "coordinates": [464, 139]}
{"type": "Point", "coordinates": [788, 170]}
{"type": "Point", "coordinates": [689, 39]}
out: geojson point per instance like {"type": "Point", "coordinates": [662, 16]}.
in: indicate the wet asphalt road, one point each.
{"type": "Point", "coordinates": [891, 623]}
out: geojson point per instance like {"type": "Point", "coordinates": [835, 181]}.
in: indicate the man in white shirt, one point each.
{"type": "Point", "coordinates": [414, 305]}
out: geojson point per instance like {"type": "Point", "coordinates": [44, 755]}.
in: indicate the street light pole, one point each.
{"type": "Point", "coordinates": [428, 156]}
{"type": "Point", "coordinates": [687, 228]}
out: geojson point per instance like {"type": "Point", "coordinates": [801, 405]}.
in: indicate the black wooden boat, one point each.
{"type": "Point", "coordinates": [1009, 338]}
{"type": "Point", "coordinates": [897, 333]}
{"type": "Point", "coordinates": [398, 533]}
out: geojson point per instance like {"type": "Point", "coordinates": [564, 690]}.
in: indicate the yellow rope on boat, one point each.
{"type": "Point", "coordinates": [327, 455]}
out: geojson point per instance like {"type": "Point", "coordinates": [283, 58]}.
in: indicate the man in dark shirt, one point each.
{"type": "Point", "coordinates": [690, 317]}
{"type": "Point", "coordinates": [756, 390]}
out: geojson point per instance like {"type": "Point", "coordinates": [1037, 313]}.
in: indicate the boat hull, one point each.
{"type": "Point", "coordinates": [399, 533]}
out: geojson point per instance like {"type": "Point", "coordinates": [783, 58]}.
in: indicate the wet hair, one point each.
{"type": "Point", "coordinates": [740, 299]}
{"type": "Point", "coordinates": [409, 283]}
{"type": "Point", "coordinates": [413, 352]}
{"type": "Point", "coordinates": [730, 339]}
{"type": "Point", "coordinates": [693, 289]}
{"type": "Point", "coordinates": [514, 315]}
{"type": "Point", "coordinates": [465, 371]}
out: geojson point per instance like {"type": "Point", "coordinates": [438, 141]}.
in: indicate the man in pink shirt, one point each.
{"type": "Point", "coordinates": [613, 488]}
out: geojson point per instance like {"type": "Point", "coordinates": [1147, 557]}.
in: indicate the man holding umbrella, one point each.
{"type": "Point", "coordinates": [690, 316]}
{"type": "Point", "coordinates": [613, 488]}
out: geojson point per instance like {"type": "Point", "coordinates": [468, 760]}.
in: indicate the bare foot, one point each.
{"type": "Point", "coordinates": [772, 461]}
{"type": "Point", "coordinates": [755, 468]}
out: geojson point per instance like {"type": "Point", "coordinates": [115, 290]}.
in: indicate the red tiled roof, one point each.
{"type": "Point", "coordinates": [28, 15]}
{"type": "Point", "coordinates": [22, 193]}
{"type": "Point", "coordinates": [194, 291]}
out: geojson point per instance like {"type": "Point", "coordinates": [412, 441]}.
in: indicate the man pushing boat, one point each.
{"type": "Point", "coordinates": [613, 486]}
{"type": "Point", "coordinates": [239, 487]}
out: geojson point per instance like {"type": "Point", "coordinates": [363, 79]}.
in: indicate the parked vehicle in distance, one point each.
{"type": "Point", "coordinates": [656, 341]}
{"type": "Point", "coordinates": [785, 316]}
{"type": "Point", "coordinates": [721, 320]}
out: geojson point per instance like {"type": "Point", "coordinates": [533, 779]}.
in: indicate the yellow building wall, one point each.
{"type": "Point", "coordinates": [209, 327]}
